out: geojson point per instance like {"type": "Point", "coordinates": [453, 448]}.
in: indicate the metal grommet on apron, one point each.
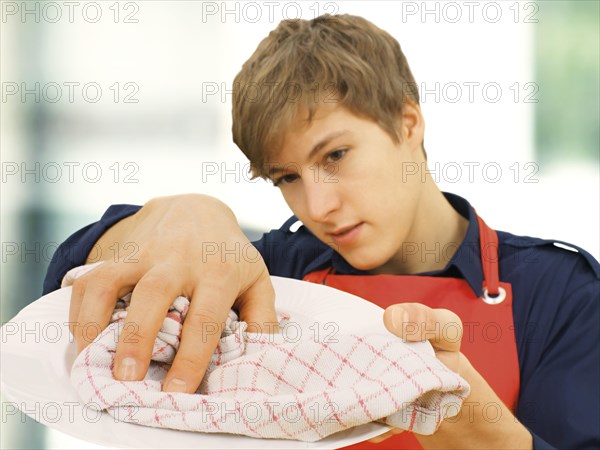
{"type": "Point", "coordinates": [491, 299]}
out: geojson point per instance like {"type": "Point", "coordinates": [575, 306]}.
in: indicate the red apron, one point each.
{"type": "Point", "coordinates": [488, 328]}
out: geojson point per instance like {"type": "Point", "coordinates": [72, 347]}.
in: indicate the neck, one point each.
{"type": "Point", "coordinates": [436, 234]}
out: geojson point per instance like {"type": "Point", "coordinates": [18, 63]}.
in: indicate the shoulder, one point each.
{"type": "Point", "coordinates": [293, 251]}
{"type": "Point", "coordinates": [551, 268]}
{"type": "Point", "coordinates": [550, 251]}
{"type": "Point", "coordinates": [293, 231]}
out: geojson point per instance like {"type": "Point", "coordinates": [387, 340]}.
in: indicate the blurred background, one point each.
{"type": "Point", "coordinates": [119, 102]}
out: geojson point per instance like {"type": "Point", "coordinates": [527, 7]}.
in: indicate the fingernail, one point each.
{"type": "Point", "coordinates": [126, 370]}
{"type": "Point", "coordinates": [176, 385]}
{"type": "Point", "coordinates": [399, 316]}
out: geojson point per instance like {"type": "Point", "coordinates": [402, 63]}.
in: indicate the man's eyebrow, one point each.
{"type": "Point", "coordinates": [322, 143]}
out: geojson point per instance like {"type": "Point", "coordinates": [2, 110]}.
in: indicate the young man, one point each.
{"type": "Point", "coordinates": [338, 129]}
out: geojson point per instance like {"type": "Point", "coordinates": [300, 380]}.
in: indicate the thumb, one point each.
{"type": "Point", "coordinates": [256, 306]}
{"type": "Point", "coordinates": [418, 322]}
{"type": "Point", "coordinates": [386, 435]}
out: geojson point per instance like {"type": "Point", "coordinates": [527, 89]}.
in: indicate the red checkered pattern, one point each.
{"type": "Point", "coordinates": [267, 386]}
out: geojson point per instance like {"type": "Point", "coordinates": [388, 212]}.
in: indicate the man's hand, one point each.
{"type": "Point", "coordinates": [469, 429]}
{"type": "Point", "coordinates": [189, 245]}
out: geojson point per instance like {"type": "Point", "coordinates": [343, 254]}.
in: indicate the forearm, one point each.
{"type": "Point", "coordinates": [483, 421]}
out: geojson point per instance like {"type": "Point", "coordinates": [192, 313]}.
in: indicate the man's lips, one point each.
{"type": "Point", "coordinates": [342, 230]}
{"type": "Point", "coordinates": [346, 236]}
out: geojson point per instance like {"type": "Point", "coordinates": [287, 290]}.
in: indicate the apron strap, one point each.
{"type": "Point", "coordinates": [488, 241]}
{"type": "Point", "coordinates": [318, 277]}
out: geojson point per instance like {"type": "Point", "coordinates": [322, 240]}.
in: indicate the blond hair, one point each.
{"type": "Point", "coordinates": [340, 58]}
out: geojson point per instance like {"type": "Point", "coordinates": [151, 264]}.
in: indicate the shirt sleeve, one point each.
{"type": "Point", "coordinates": [539, 443]}
{"type": "Point", "coordinates": [559, 400]}
{"type": "Point", "coordinates": [74, 251]}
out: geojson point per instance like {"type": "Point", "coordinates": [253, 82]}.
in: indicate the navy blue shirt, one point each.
{"type": "Point", "coordinates": [556, 310]}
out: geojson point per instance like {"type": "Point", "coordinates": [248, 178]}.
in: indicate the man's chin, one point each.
{"type": "Point", "coordinates": [362, 262]}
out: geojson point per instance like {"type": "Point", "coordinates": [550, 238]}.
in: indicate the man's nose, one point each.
{"type": "Point", "coordinates": [322, 198]}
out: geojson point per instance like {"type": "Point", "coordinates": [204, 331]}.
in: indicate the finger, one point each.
{"type": "Point", "coordinates": [98, 293]}
{"type": "Point", "coordinates": [149, 306]}
{"type": "Point", "coordinates": [201, 332]}
{"type": "Point", "coordinates": [78, 289]}
{"type": "Point", "coordinates": [418, 322]}
{"type": "Point", "coordinates": [256, 306]}
{"type": "Point", "coordinates": [77, 279]}
{"type": "Point", "coordinates": [386, 435]}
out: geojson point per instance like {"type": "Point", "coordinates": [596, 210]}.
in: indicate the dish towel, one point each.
{"type": "Point", "coordinates": [266, 386]}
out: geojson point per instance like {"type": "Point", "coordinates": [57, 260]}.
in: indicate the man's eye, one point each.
{"type": "Point", "coordinates": [286, 179]}
{"type": "Point", "coordinates": [336, 155]}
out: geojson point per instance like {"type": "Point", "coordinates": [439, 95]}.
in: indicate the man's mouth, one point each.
{"type": "Point", "coordinates": [342, 230]}
{"type": "Point", "coordinates": [347, 235]}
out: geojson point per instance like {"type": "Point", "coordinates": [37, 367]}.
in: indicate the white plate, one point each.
{"type": "Point", "coordinates": [37, 355]}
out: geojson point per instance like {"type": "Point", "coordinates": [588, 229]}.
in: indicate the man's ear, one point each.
{"type": "Point", "coordinates": [412, 125]}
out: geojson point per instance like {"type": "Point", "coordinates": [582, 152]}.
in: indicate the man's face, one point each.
{"type": "Point", "coordinates": [346, 179]}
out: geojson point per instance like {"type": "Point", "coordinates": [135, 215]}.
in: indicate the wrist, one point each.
{"type": "Point", "coordinates": [113, 243]}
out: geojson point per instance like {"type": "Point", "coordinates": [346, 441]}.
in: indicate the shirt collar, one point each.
{"type": "Point", "coordinates": [466, 260]}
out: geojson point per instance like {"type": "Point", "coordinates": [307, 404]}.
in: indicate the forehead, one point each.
{"type": "Point", "coordinates": [303, 132]}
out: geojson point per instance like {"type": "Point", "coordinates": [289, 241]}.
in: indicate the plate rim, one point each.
{"type": "Point", "coordinates": [19, 396]}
